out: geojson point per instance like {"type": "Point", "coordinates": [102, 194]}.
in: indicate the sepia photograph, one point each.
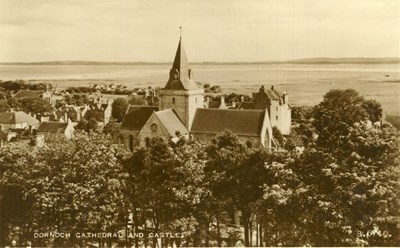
{"type": "Point", "coordinates": [184, 123]}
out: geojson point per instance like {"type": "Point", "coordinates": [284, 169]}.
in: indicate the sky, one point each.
{"type": "Point", "coordinates": [213, 30]}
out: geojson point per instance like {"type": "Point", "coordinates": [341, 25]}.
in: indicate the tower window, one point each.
{"type": "Point", "coordinates": [276, 117]}
{"type": "Point", "coordinates": [173, 100]}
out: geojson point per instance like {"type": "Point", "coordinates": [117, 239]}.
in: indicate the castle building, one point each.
{"type": "Point", "coordinates": [182, 112]}
{"type": "Point", "coordinates": [276, 102]}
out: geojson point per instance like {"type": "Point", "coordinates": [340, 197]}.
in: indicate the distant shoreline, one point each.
{"type": "Point", "coordinates": [311, 61]}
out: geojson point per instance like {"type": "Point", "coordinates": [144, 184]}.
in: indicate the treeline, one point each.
{"type": "Point", "coordinates": [108, 89]}
{"type": "Point", "coordinates": [16, 85]}
{"type": "Point", "coordinates": [339, 193]}
{"type": "Point", "coordinates": [29, 105]}
{"type": "Point", "coordinates": [32, 105]}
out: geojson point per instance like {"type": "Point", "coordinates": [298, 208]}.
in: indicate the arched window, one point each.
{"type": "Point", "coordinates": [147, 141]}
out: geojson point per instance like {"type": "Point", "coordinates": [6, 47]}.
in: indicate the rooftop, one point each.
{"type": "Point", "coordinates": [51, 126]}
{"type": "Point", "coordinates": [171, 122]}
{"type": "Point", "coordinates": [180, 75]}
{"type": "Point", "coordinates": [241, 122]}
{"type": "Point", "coordinates": [17, 117]}
{"type": "Point", "coordinates": [28, 93]}
{"type": "Point", "coordinates": [136, 116]}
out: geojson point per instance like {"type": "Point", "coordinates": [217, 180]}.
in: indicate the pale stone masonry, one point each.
{"type": "Point", "coordinates": [276, 102]}
{"type": "Point", "coordinates": [181, 93]}
{"type": "Point", "coordinates": [182, 113]}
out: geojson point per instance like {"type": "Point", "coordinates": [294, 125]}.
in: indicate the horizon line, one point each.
{"type": "Point", "coordinates": [321, 59]}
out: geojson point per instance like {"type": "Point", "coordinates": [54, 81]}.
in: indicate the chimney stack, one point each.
{"type": "Point", "coordinates": [222, 105]}
{"type": "Point", "coordinates": [284, 97]}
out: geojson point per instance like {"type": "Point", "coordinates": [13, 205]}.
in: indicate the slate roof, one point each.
{"type": "Point", "coordinates": [240, 122]}
{"type": "Point", "coordinates": [171, 122]}
{"type": "Point", "coordinates": [273, 94]}
{"type": "Point", "coordinates": [136, 116]}
{"type": "Point", "coordinates": [245, 105]}
{"type": "Point", "coordinates": [181, 67]}
{"type": "Point", "coordinates": [214, 104]}
{"type": "Point", "coordinates": [28, 93]}
{"type": "Point", "coordinates": [53, 127]}
{"type": "Point", "coordinates": [17, 117]}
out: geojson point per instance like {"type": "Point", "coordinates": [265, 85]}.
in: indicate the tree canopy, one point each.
{"type": "Point", "coordinates": [338, 111]}
{"type": "Point", "coordinates": [119, 107]}
{"type": "Point", "coordinates": [343, 190]}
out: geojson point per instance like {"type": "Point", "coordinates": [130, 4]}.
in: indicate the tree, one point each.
{"type": "Point", "coordinates": [75, 186]}
{"type": "Point", "coordinates": [236, 174]}
{"type": "Point", "coordinates": [87, 125]}
{"type": "Point", "coordinates": [112, 128]}
{"type": "Point", "coordinates": [300, 113]}
{"type": "Point", "coordinates": [167, 184]}
{"type": "Point", "coordinates": [137, 100]}
{"type": "Point", "coordinates": [352, 191]}
{"type": "Point", "coordinates": [82, 125]}
{"type": "Point", "coordinates": [338, 111]}
{"type": "Point", "coordinates": [77, 99]}
{"type": "Point", "coordinates": [36, 105]}
{"type": "Point", "coordinates": [16, 85]}
{"type": "Point", "coordinates": [14, 103]}
{"type": "Point", "coordinates": [276, 133]}
{"type": "Point", "coordinates": [4, 106]}
{"type": "Point", "coordinates": [374, 110]}
{"type": "Point", "coordinates": [119, 107]}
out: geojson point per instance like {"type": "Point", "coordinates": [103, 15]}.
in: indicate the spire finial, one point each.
{"type": "Point", "coordinates": [180, 32]}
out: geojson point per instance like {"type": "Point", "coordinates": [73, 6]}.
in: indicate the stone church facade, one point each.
{"type": "Point", "coordinates": [181, 113]}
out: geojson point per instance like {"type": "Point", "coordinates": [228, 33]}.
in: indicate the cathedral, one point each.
{"type": "Point", "coordinates": [182, 112]}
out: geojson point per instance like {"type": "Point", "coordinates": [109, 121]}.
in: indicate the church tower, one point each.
{"type": "Point", "coordinates": [181, 93]}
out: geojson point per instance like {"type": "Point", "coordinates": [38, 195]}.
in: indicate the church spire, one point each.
{"type": "Point", "coordinates": [180, 77]}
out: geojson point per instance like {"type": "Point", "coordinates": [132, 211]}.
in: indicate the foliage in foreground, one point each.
{"type": "Point", "coordinates": [342, 193]}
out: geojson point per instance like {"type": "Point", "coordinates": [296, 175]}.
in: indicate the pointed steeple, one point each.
{"type": "Point", "coordinates": [180, 77]}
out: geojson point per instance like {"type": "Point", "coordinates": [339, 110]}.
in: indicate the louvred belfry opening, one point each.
{"type": "Point", "coordinates": [180, 74]}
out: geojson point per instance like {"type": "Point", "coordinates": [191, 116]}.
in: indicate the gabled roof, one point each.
{"type": "Point", "coordinates": [245, 105]}
{"type": "Point", "coordinates": [136, 116]}
{"type": "Point", "coordinates": [273, 94]}
{"type": "Point", "coordinates": [171, 122]}
{"type": "Point", "coordinates": [240, 122]}
{"type": "Point", "coordinates": [28, 93]}
{"type": "Point", "coordinates": [181, 68]}
{"type": "Point", "coordinates": [214, 104]}
{"type": "Point", "coordinates": [53, 127]}
{"type": "Point", "coordinates": [16, 118]}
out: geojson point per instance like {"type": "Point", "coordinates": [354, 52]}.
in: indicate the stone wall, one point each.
{"type": "Point", "coordinates": [184, 102]}
{"type": "Point", "coordinates": [148, 132]}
